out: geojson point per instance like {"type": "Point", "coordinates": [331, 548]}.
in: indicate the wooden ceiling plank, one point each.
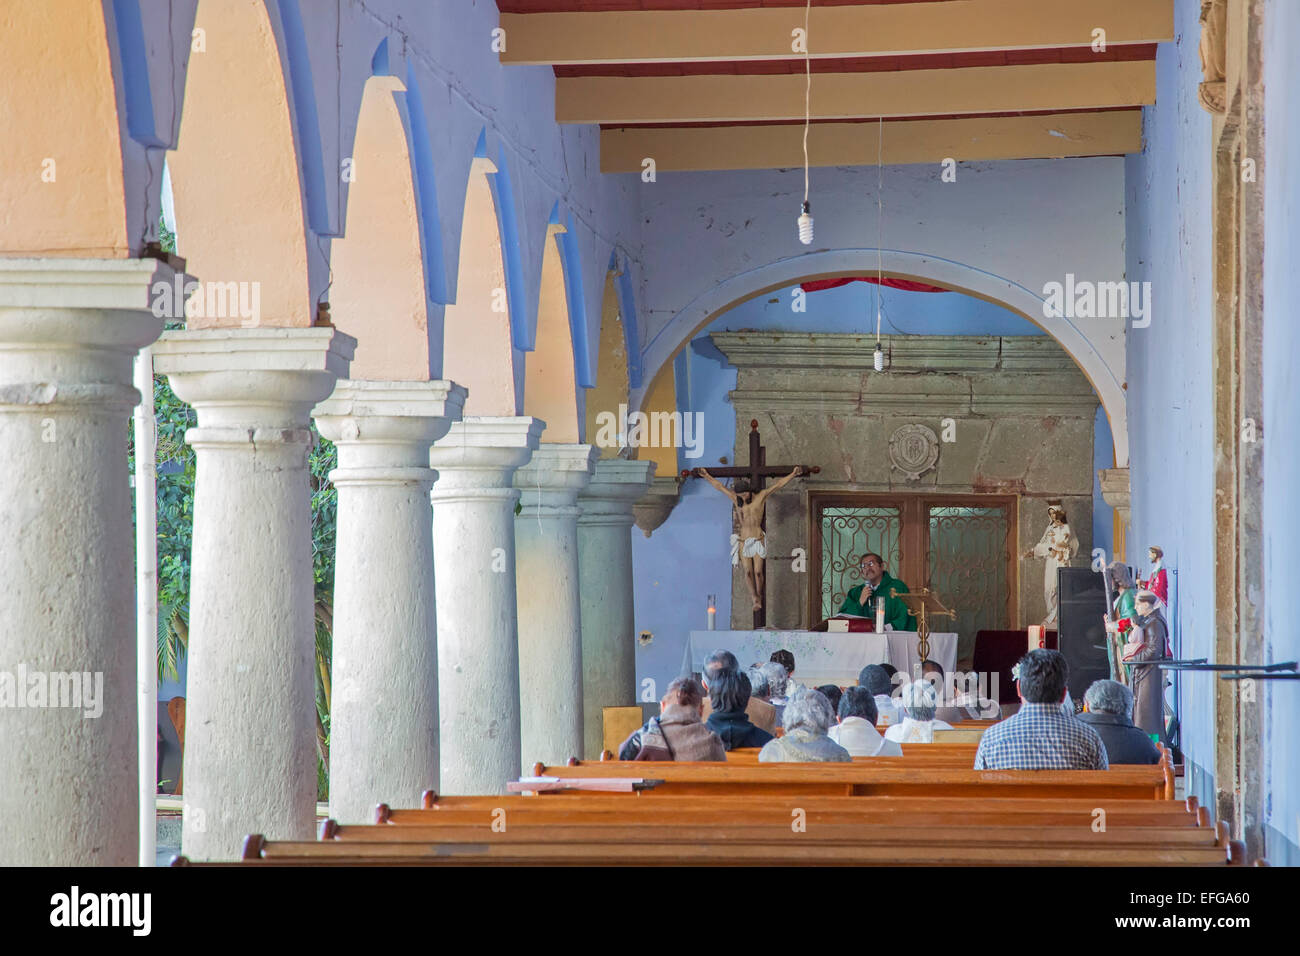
{"type": "Point", "coordinates": [718, 98]}
{"type": "Point", "coordinates": [647, 36]}
{"type": "Point", "coordinates": [1061, 135]}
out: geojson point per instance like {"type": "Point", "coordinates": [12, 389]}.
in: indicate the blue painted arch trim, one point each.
{"type": "Point", "coordinates": [305, 118]}
{"type": "Point", "coordinates": [624, 289]}
{"type": "Point", "coordinates": [571, 264]}
{"type": "Point", "coordinates": [503, 200]}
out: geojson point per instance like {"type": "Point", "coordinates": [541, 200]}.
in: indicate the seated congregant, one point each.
{"type": "Point", "coordinates": [919, 701]}
{"type": "Point", "coordinates": [933, 672]}
{"type": "Point", "coordinates": [678, 733]}
{"type": "Point", "coordinates": [832, 693]}
{"type": "Point", "coordinates": [760, 712]}
{"type": "Point", "coordinates": [1108, 709]}
{"type": "Point", "coordinates": [785, 659]}
{"type": "Point", "coordinates": [856, 731]}
{"type": "Point", "coordinates": [876, 679]}
{"type": "Point", "coordinates": [778, 683]}
{"type": "Point", "coordinates": [729, 695]}
{"type": "Point", "coordinates": [807, 719]}
{"type": "Point", "coordinates": [1040, 736]}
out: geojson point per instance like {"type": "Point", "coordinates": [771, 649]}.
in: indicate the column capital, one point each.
{"type": "Point", "coordinates": [1115, 487]}
{"type": "Point", "coordinates": [384, 429]}
{"type": "Point", "coordinates": [550, 483]}
{"type": "Point", "coordinates": [269, 376]}
{"type": "Point", "coordinates": [615, 486]}
{"type": "Point", "coordinates": [127, 285]}
{"type": "Point", "coordinates": [479, 454]}
{"type": "Point", "coordinates": [71, 328]}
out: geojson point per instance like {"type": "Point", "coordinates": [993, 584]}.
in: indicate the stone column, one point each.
{"type": "Point", "coordinates": [550, 616]}
{"type": "Point", "coordinates": [605, 585]}
{"type": "Point", "coordinates": [384, 696]}
{"type": "Point", "coordinates": [69, 330]}
{"type": "Point", "coordinates": [250, 742]}
{"type": "Point", "coordinates": [1115, 492]}
{"type": "Point", "coordinates": [478, 642]}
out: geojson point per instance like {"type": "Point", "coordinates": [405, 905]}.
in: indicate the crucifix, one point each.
{"type": "Point", "coordinates": [749, 504]}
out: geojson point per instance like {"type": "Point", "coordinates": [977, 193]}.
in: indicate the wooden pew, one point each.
{"type": "Point", "coordinates": [724, 809]}
{"type": "Point", "coordinates": [751, 852]}
{"type": "Point", "coordinates": [881, 778]}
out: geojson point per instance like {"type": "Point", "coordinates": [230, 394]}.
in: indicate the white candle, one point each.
{"type": "Point", "coordinates": [1035, 636]}
{"type": "Point", "coordinates": [713, 614]}
{"type": "Point", "coordinates": [880, 615]}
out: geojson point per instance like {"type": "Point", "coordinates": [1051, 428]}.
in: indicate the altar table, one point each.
{"type": "Point", "coordinates": [821, 657]}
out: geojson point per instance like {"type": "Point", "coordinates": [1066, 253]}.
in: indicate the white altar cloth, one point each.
{"type": "Point", "coordinates": [820, 657]}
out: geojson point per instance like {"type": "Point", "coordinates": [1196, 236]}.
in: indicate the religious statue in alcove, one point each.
{"type": "Point", "coordinates": [1058, 546]}
{"type": "Point", "coordinates": [749, 508]}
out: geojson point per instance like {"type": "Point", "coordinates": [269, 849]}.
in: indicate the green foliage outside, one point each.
{"type": "Point", "coordinates": [176, 475]}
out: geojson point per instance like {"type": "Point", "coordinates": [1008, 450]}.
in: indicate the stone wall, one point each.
{"type": "Point", "coordinates": [1022, 424]}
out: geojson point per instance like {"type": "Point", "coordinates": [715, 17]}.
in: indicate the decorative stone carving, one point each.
{"type": "Point", "coordinates": [914, 450]}
{"type": "Point", "coordinates": [1213, 91]}
{"type": "Point", "coordinates": [653, 508]}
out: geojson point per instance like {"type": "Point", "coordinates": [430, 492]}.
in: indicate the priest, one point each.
{"type": "Point", "coordinates": [861, 600]}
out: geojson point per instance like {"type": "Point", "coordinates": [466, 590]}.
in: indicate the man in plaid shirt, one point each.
{"type": "Point", "coordinates": [1041, 736]}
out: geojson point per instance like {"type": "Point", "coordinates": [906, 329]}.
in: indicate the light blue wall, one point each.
{"type": "Point", "coordinates": [688, 557]}
{"type": "Point", "coordinates": [1281, 169]}
{"type": "Point", "coordinates": [1171, 402]}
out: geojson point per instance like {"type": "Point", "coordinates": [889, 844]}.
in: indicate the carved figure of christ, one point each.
{"type": "Point", "coordinates": [750, 508]}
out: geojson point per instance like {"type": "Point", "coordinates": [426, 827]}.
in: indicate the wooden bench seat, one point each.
{"type": "Point", "coordinates": [747, 853]}
{"type": "Point", "coordinates": [1007, 833]}
{"type": "Point", "coordinates": [725, 809]}
{"type": "Point", "coordinates": [886, 777]}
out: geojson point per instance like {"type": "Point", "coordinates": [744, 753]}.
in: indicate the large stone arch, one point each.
{"type": "Point", "coordinates": [386, 276]}
{"type": "Point", "coordinates": [478, 346]}
{"type": "Point", "coordinates": [611, 388]}
{"type": "Point", "coordinates": [550, 376]}
{"type": "Point", "coordinates": [77, 175]}
{"type": "Point", "coordinates": [237, 172]}
{"type": "Point", "coordinates": [934, 270]}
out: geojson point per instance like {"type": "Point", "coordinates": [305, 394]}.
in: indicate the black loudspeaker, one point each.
{"type": "Point", "coordinates": [1081, 632]}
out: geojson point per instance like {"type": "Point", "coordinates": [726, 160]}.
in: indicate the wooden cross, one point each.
{"type": "Point", "coordinates": [757, 473]}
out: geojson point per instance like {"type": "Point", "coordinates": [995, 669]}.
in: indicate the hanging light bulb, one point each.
{"type": "Point", "coordinates": [880, 358]}
{"type": "Point", "coordinates": [806, 225]}
{"type": "Point", "coordinates": [805, 217]}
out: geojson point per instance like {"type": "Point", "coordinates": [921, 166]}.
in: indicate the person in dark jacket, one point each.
{"type": "Point", "coordinates": [729, 695]}
{"type": "Point", "coordinates": [1109, 705]}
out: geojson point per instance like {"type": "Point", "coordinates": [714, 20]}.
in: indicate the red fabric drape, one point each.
{"type": "Point", "coordinates": [907, 285]}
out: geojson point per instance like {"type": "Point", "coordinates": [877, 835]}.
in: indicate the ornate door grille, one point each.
{"type": "Point", "coordinates": [968, 565]}
{"type": "Point", "coordinates": [847, 533]}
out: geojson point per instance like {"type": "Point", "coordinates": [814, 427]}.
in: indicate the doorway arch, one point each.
{"type": "Point", "coordinates": [893, 263]}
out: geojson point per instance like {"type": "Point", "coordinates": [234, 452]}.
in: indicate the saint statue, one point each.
{"type": "Point", "coordinates": [748, 509]}
{"type": "Point", "coordinates": [1059, 546]}
{"type": "Point", "coordinates": [1121, 619]}
{"type": "Point", "coordinates": [1158, 581]}
{"type": "Point", "coordinates": [1148, 640]}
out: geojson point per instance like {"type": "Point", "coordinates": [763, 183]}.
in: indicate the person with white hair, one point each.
{"type": "Point", "coordinates": [807, 718]}
{"type": "Point", "coordinates": [919, 701]}
{"type": "Point", "coordinates": [1108, 706]}
{"type": "Point", "coordinates": [778, 683]}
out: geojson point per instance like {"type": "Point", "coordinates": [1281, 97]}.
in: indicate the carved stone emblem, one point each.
{"type": "Point", "coordinates": [1212, 93]}
{"type": "Point", "coordinates": [914, 450]}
